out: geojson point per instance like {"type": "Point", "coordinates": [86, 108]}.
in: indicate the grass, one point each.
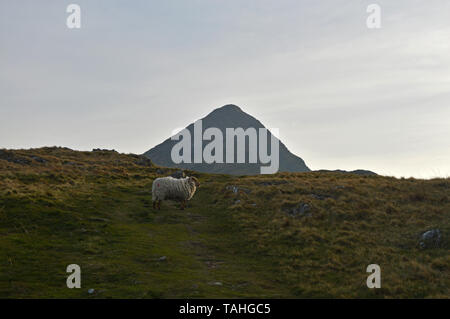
{"type": "Point", "coordinates": [94, 209]}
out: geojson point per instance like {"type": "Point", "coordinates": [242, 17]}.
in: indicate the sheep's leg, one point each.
{"type": "Point", "coordinates": [183, 203]}
{"type": "Point", "coordinates": [154, 204]}
{"type": "Point", "coordinates": [159, 205]}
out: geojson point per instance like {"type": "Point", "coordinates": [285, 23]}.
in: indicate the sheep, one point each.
{"type": "Point", "coordinates": [165, 188]}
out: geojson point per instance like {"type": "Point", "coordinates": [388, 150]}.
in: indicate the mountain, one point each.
{"type": "Point", "coordinates": [228, 116]}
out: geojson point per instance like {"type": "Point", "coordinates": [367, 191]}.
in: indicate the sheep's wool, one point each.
{"type": "Point", "coordinates": [171, 188]}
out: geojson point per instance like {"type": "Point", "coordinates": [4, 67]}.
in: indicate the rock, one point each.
{"type": "Point", "coordinates": [178, 174]}
{"type": "Point", "coordinates": [301, 210]}
{"type": "Point", "coordinates": [91, 291]}
{"type": "Point", "coordinates": [431, 239]}
{"type": "Point", "coordinates": [237, 202]}
{"type": "Point", "coordinates": [163, 258]}
{"type": "Point", "coordinates": [232, 188]}
{"type": "Point", "coordinates": [216, 283]}
{"type": "Point", "coordinates": [236, 189]}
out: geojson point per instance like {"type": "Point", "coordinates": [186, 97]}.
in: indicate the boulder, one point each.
{"type": "Point", "coordinates": [431, 239]}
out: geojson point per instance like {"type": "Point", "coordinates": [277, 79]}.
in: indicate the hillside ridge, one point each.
{"type": "Point", "coordinates": [288, 235]}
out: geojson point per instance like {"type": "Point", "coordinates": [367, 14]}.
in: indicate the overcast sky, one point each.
{"type": "Point", "coordinates": [342, 95]}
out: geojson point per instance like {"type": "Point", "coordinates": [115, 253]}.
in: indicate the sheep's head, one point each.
{"type": "Point", "coordinates": [194, 181]}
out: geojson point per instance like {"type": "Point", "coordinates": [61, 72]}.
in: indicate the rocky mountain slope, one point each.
{"type": "Point", "coordinates": [228, 116]}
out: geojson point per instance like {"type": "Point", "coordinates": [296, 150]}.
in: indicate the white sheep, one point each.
{"type": "Point", "coordinates": [165, 188]}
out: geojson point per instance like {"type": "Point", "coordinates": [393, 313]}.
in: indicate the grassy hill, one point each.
{"type": "Point", "coordinates": [288, 235]}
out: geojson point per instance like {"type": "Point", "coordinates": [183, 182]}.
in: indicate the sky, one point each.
{"type": "Point", "coordinates": [343, 96]}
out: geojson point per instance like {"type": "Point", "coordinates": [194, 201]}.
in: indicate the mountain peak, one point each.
{"type": "Point", "coordinates": [223, 118]}
{"type": "Point", "coordinates": [229, 107]}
